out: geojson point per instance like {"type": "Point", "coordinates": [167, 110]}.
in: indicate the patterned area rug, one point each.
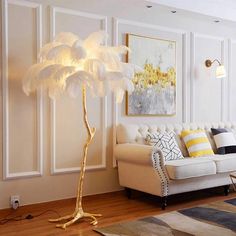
{"type": "Point", "coordinates": [214, 219]}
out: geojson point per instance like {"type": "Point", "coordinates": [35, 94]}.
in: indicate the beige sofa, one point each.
{"type": "Point", "coordinates": [141, 167]}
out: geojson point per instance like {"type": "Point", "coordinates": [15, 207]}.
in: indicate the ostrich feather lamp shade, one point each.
{"type": "Point", "coordinates": [70, 64]}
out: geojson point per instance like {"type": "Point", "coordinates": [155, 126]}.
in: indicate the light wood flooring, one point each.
{"type": "Point", "coordinates": [115, 207]}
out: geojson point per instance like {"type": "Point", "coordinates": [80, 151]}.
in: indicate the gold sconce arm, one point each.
{"type": "Point", "coordinates": [208, 62]}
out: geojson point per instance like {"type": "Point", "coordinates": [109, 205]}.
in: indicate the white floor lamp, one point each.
{"type": "Point", "coordinates": [69, 64]}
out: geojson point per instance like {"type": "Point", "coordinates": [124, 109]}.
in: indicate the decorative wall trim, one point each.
{"type": "Point", "coordinates": [184, 78]}
{"type": "Point", "coordinates": [231, 42]}
{"type": "Point", "coordinates": [192, 64]}
{"type": "Point", "coordinates": [223, 83]}
{"type": "Point", "coordinates": [116, 23]}
{"type": "Point", "coordinates": [145, 25]}
{"type": "Point", "coordinates": [54, 170]}
{"type": "Point", "coordinates": [5, 89]}
{"type": "Point", "coordinates": [114, 107]}
{"type": "Point", "coordinates": [192, 76]}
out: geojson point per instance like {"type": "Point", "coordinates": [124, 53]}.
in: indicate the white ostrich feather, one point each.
{"type": "Point", "coordinates": [116, 49]}
{"type": "Point", "coordinates": [78, 51]}
{"type": "Point", "coordinates": [129, 70]}
{"type": "Point", "coordinates": [30, 79]}
{"type": "Point", "coordinates": [128, 85]}
{"type": "Point", "coordinates": [100, 88]}
{"type": "Point", "coordinates": [114, 75]}
{"type": "Point", "coordinates": [74, 90]}
{"type": "Point", "coordinates": [48, 71]}
{"type": "Point", "coordinates": [27, 82]}
{"type": "Point", "coordinates": [47, 79]}
{"type": "Point", "coordinates": [122, 49]}
{"type": "Point", "coordinates": [66, 38]}
{"type": "Point", "coordinates": [80, 76]}
{"type": "Point", "coordinates": [96, 67]}
{"type": "Point", "coordinates": [124, 83]}
{"type": "Point", "coordinates": [59, 53]}
{"type": "Point", "coordinates": [118, 87]}
{"type": "Point", "coordinates": [46, 48]}
{"type": "Point", "coordinates": [95, 39]}
{"type": "Point", "coordinates": [54, 91]}
{"type": "Point", "coordinates": [63, 73]}
{"type": "Point", "coordinates": [110, 58]}
{"type": "Point", "coordinates": [75, 81]}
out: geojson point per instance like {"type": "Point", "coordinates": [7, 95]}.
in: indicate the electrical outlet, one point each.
{"type": "Point", "coordinates": [15, 201]}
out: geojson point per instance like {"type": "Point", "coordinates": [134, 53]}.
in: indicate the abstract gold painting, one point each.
{"type": "Point", "coordinates": [154, 87]}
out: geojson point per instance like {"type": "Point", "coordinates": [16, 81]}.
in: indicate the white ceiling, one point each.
{"type": "Point", "coordinates": [219, 9]}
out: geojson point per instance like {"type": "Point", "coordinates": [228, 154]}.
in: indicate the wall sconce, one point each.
{"type": "Point", "coordinates": [220, 70]}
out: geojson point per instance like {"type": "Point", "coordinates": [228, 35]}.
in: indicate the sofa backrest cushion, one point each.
{"type": "Point", "coordinates": [136, 133]}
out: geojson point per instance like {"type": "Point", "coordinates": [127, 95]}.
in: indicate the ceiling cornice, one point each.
{"type": "Point", "coordinates": [223, 9]}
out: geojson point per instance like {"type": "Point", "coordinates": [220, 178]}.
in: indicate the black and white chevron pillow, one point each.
{"type": "Point", "coordinates": [166, 143]}
{"type": "Point", "coordinates": [225, 141]}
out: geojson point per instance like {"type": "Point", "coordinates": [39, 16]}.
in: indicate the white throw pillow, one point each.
{"type": "Point", "coordinates": [166, 143]}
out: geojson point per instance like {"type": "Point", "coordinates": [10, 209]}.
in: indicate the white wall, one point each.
{"type": "Point", "coordinates": [42, 140]}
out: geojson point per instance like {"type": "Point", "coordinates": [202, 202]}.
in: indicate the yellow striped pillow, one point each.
{"type": "Point", "coordinates": [197, 143]}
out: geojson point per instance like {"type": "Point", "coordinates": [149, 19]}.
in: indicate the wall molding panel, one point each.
{"type": "Point", "coordinates": [193, 37]}
{"type": "Point", "coordinates": [5, 89]}
{"type": "Point", "coordinates": [54, 170]}
{"type": "Point", "coordinates": [231, 43]}
{"type": "Point", "coordinates": [116, 24]}
{"type": "Point", "coordinates": [192, 63]}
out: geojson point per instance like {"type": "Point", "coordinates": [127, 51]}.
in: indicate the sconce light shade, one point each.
{"type": "Point", "coordinates": [220, 70]}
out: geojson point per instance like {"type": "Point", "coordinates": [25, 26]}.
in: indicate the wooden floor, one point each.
{"type": "Point", "coordinates": [115, 207]}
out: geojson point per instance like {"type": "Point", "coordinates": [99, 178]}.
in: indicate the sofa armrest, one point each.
{"type": "Point", "coordinates": [134, 153]}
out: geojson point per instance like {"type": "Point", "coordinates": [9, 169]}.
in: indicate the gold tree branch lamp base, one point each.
{"type": "Point", "coordinates": [79, 213]}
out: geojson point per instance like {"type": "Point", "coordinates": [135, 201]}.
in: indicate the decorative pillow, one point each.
{"type": "Point", "coordinates": [166, 143]}
{"type": "Point", "coordinates": [225, 141]}
{"type": "Point", "coordinates": [197, 143]}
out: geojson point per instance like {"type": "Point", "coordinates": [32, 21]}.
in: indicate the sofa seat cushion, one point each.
{"type": "Point", "coordinates": [225, 163]}
{"type": "Point", "coordinates": [190, 167]}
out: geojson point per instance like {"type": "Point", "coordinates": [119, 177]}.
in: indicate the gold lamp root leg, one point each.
{"type": "Point", "coordinates": [62, 218]}
{"type": "Point", "coordinates": [75, 217]}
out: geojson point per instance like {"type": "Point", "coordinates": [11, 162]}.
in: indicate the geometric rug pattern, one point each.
{"type": "Point", "coordinates": [214, 219]}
